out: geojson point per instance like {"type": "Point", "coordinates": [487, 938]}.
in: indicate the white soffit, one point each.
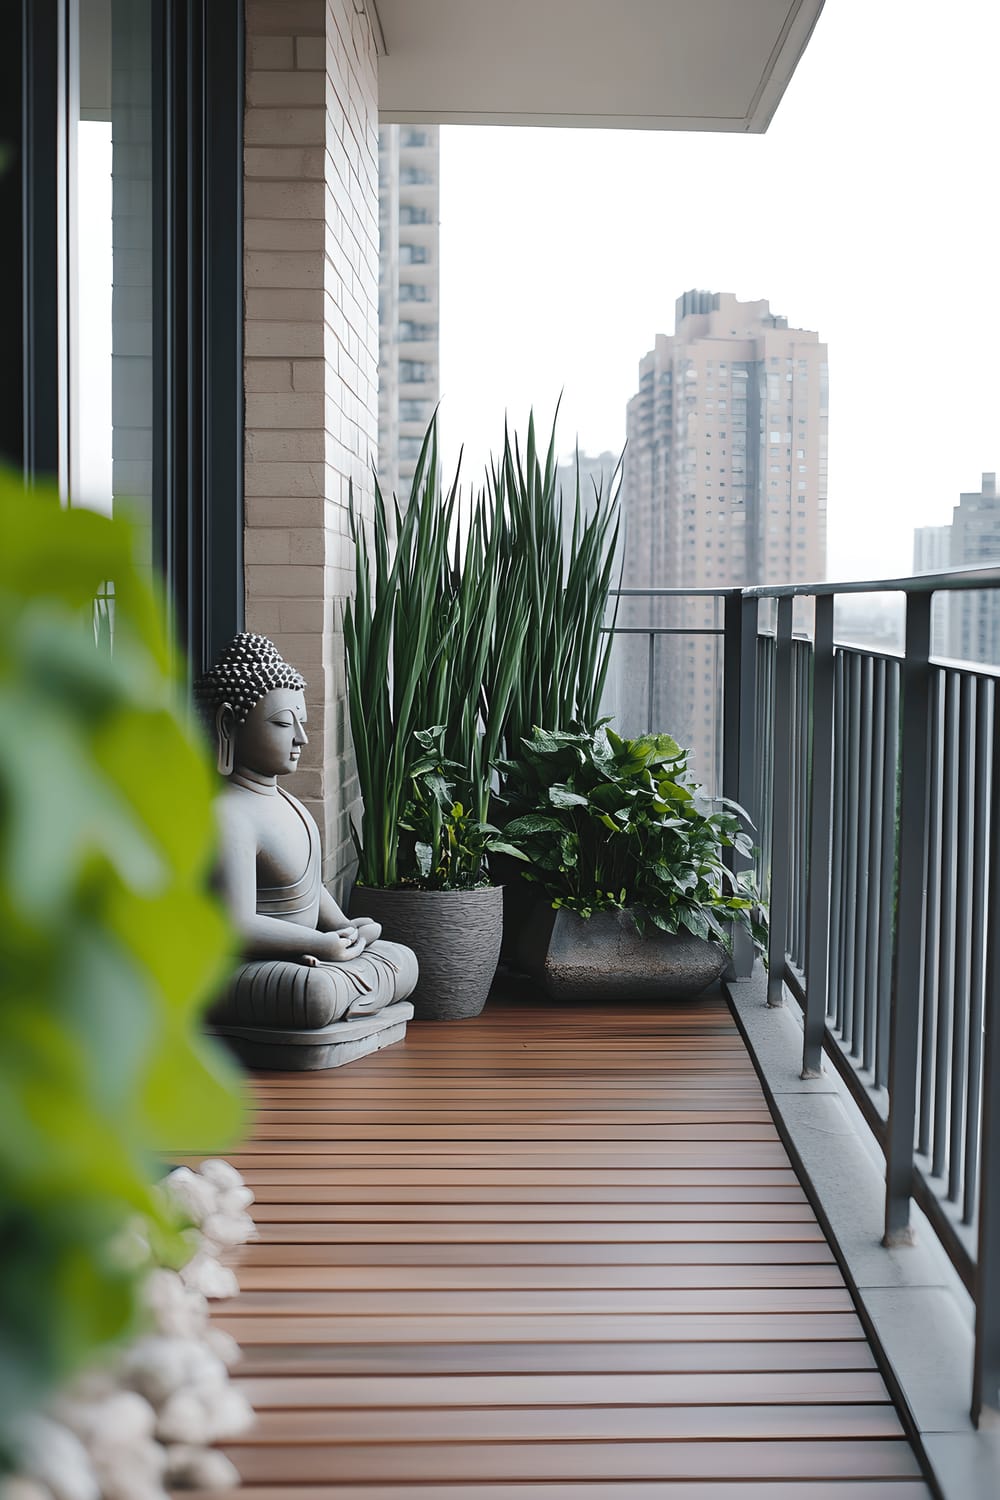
{"type": "Point", "coordinates": [641, 64]}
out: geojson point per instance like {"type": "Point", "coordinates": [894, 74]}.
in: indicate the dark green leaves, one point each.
{"type": "Point", "coordinates": [110, 944]}
{"type": "Point", "coordinates": [473, 619]}
{"type": "Point", "coordinates": [608, 823]}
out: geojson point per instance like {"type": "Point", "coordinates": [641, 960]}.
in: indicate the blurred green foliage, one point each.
{"type": "Point", "coordinates": [110, 943]}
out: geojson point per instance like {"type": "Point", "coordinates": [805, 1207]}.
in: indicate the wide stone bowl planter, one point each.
{"type": "Point", "coordinates": [456, 937]}
{"type": "Point", "coordinates": [603, 957]}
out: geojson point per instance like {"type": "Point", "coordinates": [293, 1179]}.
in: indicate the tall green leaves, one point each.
{"type": "Point", "coordinates": [473, 622]}
{"type": "Point", "coordinates": [398, 630]}
{"type": "Point", "coordinates": [565, 657]}
{"type": "Point", "coordinates": [109, 941]}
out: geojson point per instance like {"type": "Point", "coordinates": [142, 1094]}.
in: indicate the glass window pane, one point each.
{"type": "Point", "coordinates": [111, 269]}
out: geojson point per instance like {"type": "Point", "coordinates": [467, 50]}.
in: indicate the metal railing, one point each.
{"type": "Point", "coordinates": [873, 779]}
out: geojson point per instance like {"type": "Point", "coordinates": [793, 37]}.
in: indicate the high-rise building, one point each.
{"type": "Point", "coordinates": [724, 484]}
{"type": "Point", "coordinates": [597, 473]}
{"type": "Point", "coordinates": [965, 627]}
{"type": "Point", "coordinates": [409, 297]}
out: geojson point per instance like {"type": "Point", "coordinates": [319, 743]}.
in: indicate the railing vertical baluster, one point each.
{"type": "Point", "coordinates": [802, 836]}
{"type": "Point", "coordinates": [960, 1122]}
{"type": "Point", "coordinates": [793, 803]}
{"type": "Point", "coordinates": [820, 828]}
{"type": "Point", "coordinates": [985, 709]}
{"type": "Point", "coordinates": [873, 846]}
{"type": "Point", "coordinates": [890, 812]}
{"type": "Point", "coordinates": [946, 945]}
{"type": "Point", "coordinates": [835, 1007]}
{"type": "Point", "coordinates": [780, 800]}
{"type": "Point", "coordinates": [734, 706]}
{"type": "Point", "coordinates": [852, 814]}
{"type": "Point", "coordinates": [909, 913]}
{"type": "Point", "coordinates": [739, 671]}
{"type": "Point", "coordinates": [932, 920]}
{"type": "Point", "coordinates": [650, 681]}
{"type": "Point", "coordinates": [859, 1024]}
{"type": "Point", "coordinates": [986, 1367]}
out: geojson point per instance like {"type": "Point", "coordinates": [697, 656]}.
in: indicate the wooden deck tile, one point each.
{"type": "Point", "coordinates": [550, 1254]}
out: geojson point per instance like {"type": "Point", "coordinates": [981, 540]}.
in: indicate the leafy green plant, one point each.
{"type": "Point", "coordinates": [566, 651]}
{"type": "Point", "coordinates": [445, 844]}
{"type": "Point", "coordinates": [424, 619]}
{"type": "Point", "coordinates": [110, 943]}
{"type": "Point", "coordinates": [472, 622]}
{"type": "Point", "coordinates": [607, 823]}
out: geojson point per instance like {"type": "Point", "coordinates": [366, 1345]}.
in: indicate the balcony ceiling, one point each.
{"type": "Point", "coordinates": [641, 64]}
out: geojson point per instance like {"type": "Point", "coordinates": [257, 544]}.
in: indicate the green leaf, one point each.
{"type": "Point", "coordinates": [111, 943]}
{"type": "Point", "coordinates": [563, 796]}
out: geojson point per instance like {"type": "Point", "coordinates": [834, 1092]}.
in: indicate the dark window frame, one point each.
{"type": "Point", "coordinates": [198, 101]}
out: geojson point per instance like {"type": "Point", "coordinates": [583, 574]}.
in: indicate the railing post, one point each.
{"type": "Point", "coordinates": [904, 1009]}
{"type": "Point", "coordinates": [738, 738]}
{"type": "Point", "coordinates": [780, 804]}
{"type": "Point", "coordinates": [732, 702]}
{"type": "Point", "coordinates": [820, 833]}
{"type": "Point", "coordinates": [986, 1366]}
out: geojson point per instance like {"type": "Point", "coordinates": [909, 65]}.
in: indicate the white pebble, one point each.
{"type": "Point", "coordinates": [191, 1468]}
{"type": "Point", "coordinates": [194, 1193]}
{"type": "Point", "coordinates": [203, 1414]}
{"type": "Point", "coordinates": [223, 1346]}
{"type": "Point", "coordinates": [156, 1366]}
{"type": "Point", "coordinates": [228, 1229]}
{"type": "Point", "coordinates": [52, 1455]}
{"type": "Point", "coordinates": [222, 1174]}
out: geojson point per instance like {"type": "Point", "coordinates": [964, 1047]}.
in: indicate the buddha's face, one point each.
{"type": "Point", "coordinates": [271, 740]}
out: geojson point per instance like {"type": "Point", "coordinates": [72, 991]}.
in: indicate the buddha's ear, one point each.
{"type": "Point", "coordinates": [225, 738]}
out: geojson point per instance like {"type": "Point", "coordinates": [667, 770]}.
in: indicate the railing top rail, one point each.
{"type": "Point", "coordinates": [917, 583]}
{"type": "Point", "coordinates": [733, 591]}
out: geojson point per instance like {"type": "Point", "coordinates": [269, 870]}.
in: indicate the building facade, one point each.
{"type": "Point", "coordinates": [409, 169]}
{"type": "Point", "coordinates": [725, 484]}
{"type": "Point", "coordinates": [965, 626]}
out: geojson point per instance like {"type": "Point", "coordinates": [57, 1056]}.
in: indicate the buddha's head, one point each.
{"type": "Point", "coordinates": [254, 706]}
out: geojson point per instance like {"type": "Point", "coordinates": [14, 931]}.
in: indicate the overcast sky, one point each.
{"type": "Point", "coordinates": [869, 211]}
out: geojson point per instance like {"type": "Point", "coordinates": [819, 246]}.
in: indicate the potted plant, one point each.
{"type": "Point", "coordinates": [631, 855]}
{"type": "Point", "coordinates": [426, 726]}
{"type": "Point", "coordinates": [558, 561]}
{"type": "Point", "coordinates": [444, 905]}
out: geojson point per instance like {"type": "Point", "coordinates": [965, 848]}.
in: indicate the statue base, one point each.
{"type": "Point", "coordinates": [274, 1049]}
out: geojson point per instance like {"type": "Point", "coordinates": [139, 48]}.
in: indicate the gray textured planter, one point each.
{"type": "Point", "coordinates": [456, 937]}
{"type": "Point", "coordinates": [603, 957]}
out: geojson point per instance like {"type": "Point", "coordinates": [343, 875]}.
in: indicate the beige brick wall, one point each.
{"type": "Point", "coordinates": [311, 370]}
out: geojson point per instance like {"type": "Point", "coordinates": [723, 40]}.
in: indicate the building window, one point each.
{"type": "Point", "coordinates": [417, 333]}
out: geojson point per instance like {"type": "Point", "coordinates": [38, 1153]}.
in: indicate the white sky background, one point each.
{"type": "Point", "coordinates": [868, 211]}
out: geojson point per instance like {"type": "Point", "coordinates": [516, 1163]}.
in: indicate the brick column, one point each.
{"type": "Point", "coordinates": [311, 268]}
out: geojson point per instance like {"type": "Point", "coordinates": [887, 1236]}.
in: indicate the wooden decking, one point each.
{"type": "Point", "coordinates": [548, 1253]}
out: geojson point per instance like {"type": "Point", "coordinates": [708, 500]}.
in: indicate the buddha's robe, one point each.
{"type": "Point", "coordinates": [281, 992]}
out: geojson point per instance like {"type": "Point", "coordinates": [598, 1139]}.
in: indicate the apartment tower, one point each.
{"type": "Point", "coordinates": [409, 297]}
{"type": "Point", "coordinates": [724, 484]}
{"type": "Point", "coordinates": [967, 625]}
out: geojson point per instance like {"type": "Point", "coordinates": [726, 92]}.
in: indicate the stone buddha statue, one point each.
{"type": "Point", "coordinates": [308, 969]}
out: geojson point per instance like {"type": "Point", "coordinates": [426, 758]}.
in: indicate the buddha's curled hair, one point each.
{"type": "Point", "coordinates": [249, 667]}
